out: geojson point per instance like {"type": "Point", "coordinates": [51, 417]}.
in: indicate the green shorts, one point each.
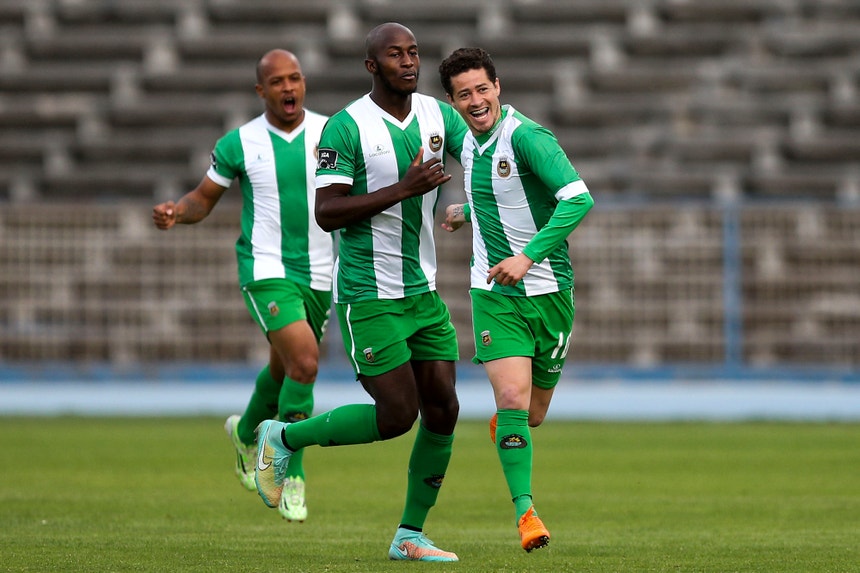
{"type": "Point", "coordinates": [275, 303]}
{"type": "Point", "coordinates": [380, 335]}
{"type": "Point", "coordinates": [535, 326]}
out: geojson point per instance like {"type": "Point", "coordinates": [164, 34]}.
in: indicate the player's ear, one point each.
{"type": "Point", "coordinates": [370, 65]}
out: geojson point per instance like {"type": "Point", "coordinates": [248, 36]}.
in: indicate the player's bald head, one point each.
{"type": "Point", "coordinates": [270, 58]}
{"type": "Point", "coordinates": [382, 36]}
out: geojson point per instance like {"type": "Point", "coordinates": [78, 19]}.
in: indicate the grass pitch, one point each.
{"type": "Point", "coordinates": [145, 494]}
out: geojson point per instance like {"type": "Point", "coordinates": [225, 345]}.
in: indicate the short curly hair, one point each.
{"type": "Point", "coordinates": [463, 60]}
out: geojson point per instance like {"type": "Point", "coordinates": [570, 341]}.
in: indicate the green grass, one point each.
{"type": "Point", "coordinates": [143, 494]}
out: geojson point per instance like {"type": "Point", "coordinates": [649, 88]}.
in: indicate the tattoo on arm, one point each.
{"type": "Point", "coordinates": [458, 211]}
{"type": "Point", "coordinates": [193, 212]}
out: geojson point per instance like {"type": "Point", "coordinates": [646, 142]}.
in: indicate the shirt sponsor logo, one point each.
{"type": "Point", "coordinates": [378, 150]}
{"type": "Point", "coordinates": [326, 159]}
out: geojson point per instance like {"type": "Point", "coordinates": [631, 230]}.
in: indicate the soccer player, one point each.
{"type": "Point", "coordinates": [285, 259]}
{"type": "Point", "coordinates": [524, 199]}
{"type": "Point", "coordinates": [380, 166]}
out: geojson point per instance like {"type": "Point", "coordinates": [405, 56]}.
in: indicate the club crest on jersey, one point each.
{"type": "Point", "coordinates": [486, 340]}
{"type": "Point", "coordinates": [368, 355]}
{"type": "Point", "coordinates": [503, 167]}
{"type": "Point", "coordinates": [435, 481]}
{"type": "Point", "coordinates": [326, 159]}
{"type": "Point", "coordinates": [435, 142]}
{"type": "Point", "coordinates": [513, 442]}
{"type": "Point", "coordinates": [273, 308]}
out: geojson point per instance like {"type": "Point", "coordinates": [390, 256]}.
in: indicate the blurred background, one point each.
{"type": "Point", "coordinates": [720, 139]}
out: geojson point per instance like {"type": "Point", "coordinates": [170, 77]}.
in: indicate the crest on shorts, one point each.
{"type": "Point", "coordinates": [435, 142]}
{"type": "Point", "coordinates": [503, 167]}
{"type": "Point", "coordinates": [368, 354]}
{"type": "Point", "coordinates": [513, 442]}
{"type": "Point", "coordinates": [485, 338]}
{"type": "Point", "coordinates": [273, 308]}
{"type": "Point", "coordinates": [326, 158]}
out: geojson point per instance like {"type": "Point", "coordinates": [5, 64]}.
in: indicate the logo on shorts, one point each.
{"type": "Point", "coordinates": [485, 338]}
{"type": "Point", "coordinates": [368, 354]}
{"type": "Point", "coordinates": [513, 442]}
{"type": "Point", "coordinates": [556, 368]}
{"type": "Point", "coordinates": [327, 159]}
{"type": "Point", "coordinates": [435, 142]}
{"type": "Point", "coordinates": [503, 168]}
{"type": "Point", "coordinates": [435, 481]}
{"type": "Point", "coordinates": [273, 308]}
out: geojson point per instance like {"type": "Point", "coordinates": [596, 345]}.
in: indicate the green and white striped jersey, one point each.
{"type": "Point", "coordinates": [279, 237]}
{"type": "Point", "coordinates": [515, 176]}
{"type": "Point", "coordinates": [392, 255]}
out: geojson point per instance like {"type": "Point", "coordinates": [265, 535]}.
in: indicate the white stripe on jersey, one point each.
{"type": "Point", "coordinates": [319, 242]}
{"type": "Point", "coordinates": [262, 171]}
{"type": "Point", "coordinates": [386, 227]}
{"type": "Point", "coordinates": [427, 107]}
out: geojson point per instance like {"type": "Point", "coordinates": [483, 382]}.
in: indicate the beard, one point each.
{"type": "Point", "coordinates": [386, 83]}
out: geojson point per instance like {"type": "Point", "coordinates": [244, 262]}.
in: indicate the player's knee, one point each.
{"type": "Point", "coordinates": [536, 419]}
{"type": "Point", "coordinates": [395, 421]}
{"type": "Point", "coordinates": [303, 370]}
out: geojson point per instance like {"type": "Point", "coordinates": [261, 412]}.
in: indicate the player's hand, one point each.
{"type": "Point", "coordinates": [510, 271]}
{"type": "Point", "coordinates": [164, 215]}
{"type": "Point", "coordinates": [422, 177]}
{"type": "Point", "coordinates": [454, 217]}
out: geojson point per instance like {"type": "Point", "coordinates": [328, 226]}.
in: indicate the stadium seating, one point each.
{"type": "Point", "coordinates": [668, 108]}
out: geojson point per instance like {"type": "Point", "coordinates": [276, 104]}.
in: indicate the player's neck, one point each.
{"type": "Point", "coordinates": [395, 104]}
{"type": "Point", "coordinates": [285, 126]}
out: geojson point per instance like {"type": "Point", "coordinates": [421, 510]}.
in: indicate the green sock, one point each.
{"type": "Point", "coordinates": [263, 405]}
{"type": "Point", "coordinates": [345, 425]}
{"type": "Point", "coordinates": [295, 403]}
{"type": "Point", "coordinates": [513, 443]}
{"type": "Point", "coordinates": [427, 466]}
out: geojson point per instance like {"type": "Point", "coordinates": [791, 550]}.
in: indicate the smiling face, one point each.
{"type": "Point", "coordinates": [393, 59]}
{"type": "Point", "coordinates": [281, 84]}
{"type": "Point", "coordinates": [476, 97]}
